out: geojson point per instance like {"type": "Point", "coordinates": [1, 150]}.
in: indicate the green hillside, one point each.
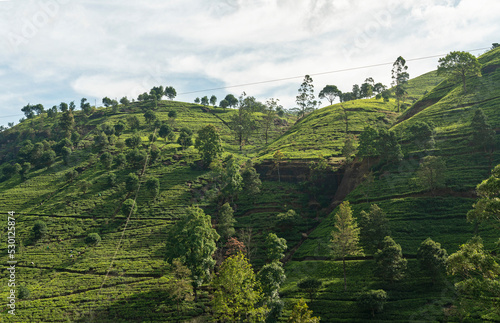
{"type": "Point", "coordinates": [125, 278]}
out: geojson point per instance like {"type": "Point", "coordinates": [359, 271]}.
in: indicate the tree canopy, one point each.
{"type": "Point", "coordinates": [458, 66]}
{"type": "Point", "coordinates": [209, 144]}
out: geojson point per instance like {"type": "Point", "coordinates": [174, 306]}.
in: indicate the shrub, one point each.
{"type": "Point", "coordinates": [132, 182]}
{"type": "Point", "coordinates": [40, 229]}
{"type": "Point", "coordinates": [93, 239]}
{"type": "Point", "coordinates": [373, 301]}
{"type": "Point", "coordinates": [23, 292]}
{"type": "Point", "coordinates": [128, 206]}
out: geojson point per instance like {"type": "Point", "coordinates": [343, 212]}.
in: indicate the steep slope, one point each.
{"type": "Point", "coordinates": [64, 273]}
{"type": "Point", "coordinates": [414, 212]}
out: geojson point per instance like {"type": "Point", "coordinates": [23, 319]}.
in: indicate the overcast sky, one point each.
{"type": "Point", "coordinates": [62, 50]}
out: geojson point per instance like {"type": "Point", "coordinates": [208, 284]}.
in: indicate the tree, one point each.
{"type": "Point", "coordinates": [368, 143]}
{"type": "Point", "coordinates": [374, 228]}
{"type": "Point", "coordinates": [432, 259]}
{"type": "Point", "coordinates": [40, 229]}
{"type": "Point", "coordinates": [111, 179]}
{"type": "Point", "coordinates": [478, 289]}
{"type": "Point", "coordinates": [85, 106]}
{"type": "Point", "coordinates": [39, 109]}
{"type": "Point", "coordinates": [119, 127]}
{"type": "Point", "coordinates": [156, 92]}
{"type": "Point", "coordinates": [170, 92]}
{"type": "Point", "coordinates": [330, 92]}
{"type": "Point", "coordinates": [301, 314]}
{"type": "Point", "coordinates": [223, 104]}
{"type": "Point", "coordinates": [107, 102]}
{"type": "Point", "coordinates": [269, 115]}
{"type": "Point", "coordinates": [48, 158]}
{"type": "Point", "coordinates": [310, 286]}
{"type": "Point", "coordinates": [11, 170]}
{"type": "Point", "coordinates": [379, 88]}
{"type": "Point", "coordinates": [242, 123]}
{"type": "Point", "coordinates": [388, 147]}
{"type": "Point", "coordinates": [120, 160]}
{"type": "Point", "coordinates": [133, 122]}
{"type": "Point", "coordinates": [192, 239]}
{"type": "Point", "coordinates": [101, 140]}
{"type": "Point", "coordinates": [66, 154]}
{"type": "Point", "coordinates": [185, 138]}
{"type": "Point", "coordinates": [204, 100]}
{"type": "Point", "coordinates": [389, 261]}
{"type": "Point", "coordinates": [153, 186]}
{"type": "Point", "coordinates": [431, 172]}
{"type": "Point", "coordinates": [133, 142]}
{"type": "Point", "coordinates": [106, 160]}
{"type": "Point", "coordinates": [150, 116]}
{"type": "Point", "coordinates": [423, 134]}
{"type": "Point", "coordinates": [457, 66]}
{"type": "Point", "coordinates": [179, 286]}
{"type": "Point", "coordinates": [143, 97]}
{"type": "Point", "coordinates": [72, 106]}
{"type": "Point", "coordinates": [209, 144]}
{"type": "Point", "coordinates": [226, 222]}
{"type": "Point", "coordinates": [373, 301]}
{"type": "Point", "coordinates": [67, 122]}
{"type": "Point", "coordinates": [236, 292]}
{"type": "Point", "coordinates": [345, 236]}
{"type": "Point", "coordinates": [25, 168]}
{"type": "Point", "coordinates": [251, 181]}
{"type": "Point", "coordinates": [213, 100]}
{"type": "Point", "coordinates": [125, 101]}
{"type": "Point", "coordinates": [231, 178]}
{"type": "Point", "coordinates": [63, 107]}
{"type": "Point", "coordinates": [71, 175]}
{"type": "Point", "coordinates": [275, 247]}
{"type": "Point", "coordinates": [287, 220]}
{"type": "Point", "coordinates": [483, 135]}
{"type": "Point", "coordinates": [197, 100]}
{"type": "Point", "coordinates": [234, 246]}
{"type": "Point", "coordinates": [366, 89]}
{"type": "Point", "coordinates": [278, 156]}
{"type": "Point", "coordinates": [165, 130]}
{"type": "Point", "coordinates": [348, 150]}
{"type": "Point", "coordinates": [305, 98]}
{"type": "Point", "coordinates": [28, 111]}
{"type": "Point", "coordinates": [132, 182]}
{"type": "Point", "coordinates": [93, 239]}
{"type": "Point", "coordinates": [271, 276]}
{"type": "Point", "coordinates": [487, 207]}
{"type": "Point", "coordinates": [136, 158]}
{"type": "Point", "coordinates": [356, 92]}
{"type": "Point", "coordinates": [129, 207]}
{"type": "Point", "coordinates": [400, 78]}
{"type": "Point", "coordinates": [24, 292]}
{"type": "Point", "coordinates": [232, 100]}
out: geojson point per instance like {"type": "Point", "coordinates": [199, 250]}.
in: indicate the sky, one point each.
{"type": "Point", "coordinates": [54, 51]}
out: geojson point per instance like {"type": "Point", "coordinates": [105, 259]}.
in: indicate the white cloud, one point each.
{"type": "Point", "coordinates": [116, 48]}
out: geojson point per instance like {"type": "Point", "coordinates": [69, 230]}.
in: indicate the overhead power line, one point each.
{"type": "Point", "coordinates": [321, 73]}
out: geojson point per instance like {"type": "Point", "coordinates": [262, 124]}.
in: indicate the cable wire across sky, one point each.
{"type": "Point", "coordinates": [320, 73]}
{"type": "Point", "coordinates": [301, 76]}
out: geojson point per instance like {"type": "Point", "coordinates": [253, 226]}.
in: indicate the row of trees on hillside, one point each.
{"type": "Point", "coordinates": [239, 294]}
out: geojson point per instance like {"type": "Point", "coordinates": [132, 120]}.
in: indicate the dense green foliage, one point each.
{"type": "Point", "coordinates": [58, 175]}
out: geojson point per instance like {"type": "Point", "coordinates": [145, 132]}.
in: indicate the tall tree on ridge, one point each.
{"type": "Point", "coordinates": [400, 78]}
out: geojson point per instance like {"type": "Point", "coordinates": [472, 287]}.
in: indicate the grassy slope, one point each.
{"type": "Point", "coordinates": [414, 213]}
{"type": "Point", "coordinates": [67, 274]}
{"type": "Point", "coordinates": [322, 133]}
{"type": "Point", "coordinates": [69, 286]}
